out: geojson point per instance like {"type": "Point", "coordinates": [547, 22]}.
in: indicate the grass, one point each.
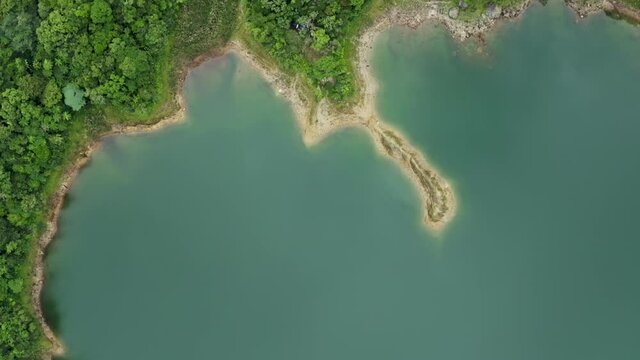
{"type": "Point", "coordinates": [204, 25]}
{"type": "Point", "coordinates": [632, 3]}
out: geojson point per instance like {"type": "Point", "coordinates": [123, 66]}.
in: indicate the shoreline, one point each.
{"type": "Point", "coordinates": [614, 8]}
{"type": "Point", "coordinates": [57, 202]}
{"type": "Point", "coordinates": [315, 120]}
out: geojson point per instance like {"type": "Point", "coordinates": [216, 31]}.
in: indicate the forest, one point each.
{"type": "Point", "coordinates": [64, 64]}
{"type": "Point", "coordinates": [309, 37]}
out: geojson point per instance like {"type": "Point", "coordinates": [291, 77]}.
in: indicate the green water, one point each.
{"type": "Point", "coordinates": [225, 238]}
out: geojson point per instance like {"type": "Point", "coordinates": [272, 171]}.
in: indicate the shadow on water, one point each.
{"type": "Point", "coordinates": [49, 307]}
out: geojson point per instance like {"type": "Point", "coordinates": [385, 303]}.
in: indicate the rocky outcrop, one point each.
{"type": "Point", "coordinates": [493, 11]}
{"type": "Point", "coordinates": [622, 10]}
{"type": "Point", "coordinates": [614, 8]}
{"type": "Point", "coordinates": [453, 13]}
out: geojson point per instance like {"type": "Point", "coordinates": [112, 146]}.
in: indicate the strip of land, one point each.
{"type": "Point", "coordinates": [614, 8]}
{"type": "Point", "coordinates": [316, 120]}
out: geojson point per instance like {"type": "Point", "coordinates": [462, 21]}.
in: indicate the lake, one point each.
{"type": "Point", "coordinates": [225, 238]}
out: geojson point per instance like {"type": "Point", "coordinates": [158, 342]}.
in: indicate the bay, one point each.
{"type": "Point", "coordinates": [226, 238]}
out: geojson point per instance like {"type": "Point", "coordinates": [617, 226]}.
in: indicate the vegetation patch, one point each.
{"type": "Point", "coordinates": [310, 38]}
{"type": "Point", "coordinates": [66, 67]}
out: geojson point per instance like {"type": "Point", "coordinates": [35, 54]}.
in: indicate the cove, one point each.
{"type": "Point", "coordinates": [225, 238]}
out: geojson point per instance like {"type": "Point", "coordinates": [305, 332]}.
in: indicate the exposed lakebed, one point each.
{"type": "Point", "coordinates": [225, 238]}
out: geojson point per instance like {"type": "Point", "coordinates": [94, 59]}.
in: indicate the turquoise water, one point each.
{"type": "Point", "coordinates": [225, 238]}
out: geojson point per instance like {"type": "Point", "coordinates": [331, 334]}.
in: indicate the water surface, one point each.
{"type": "Point", "coordinates": [225, 238]}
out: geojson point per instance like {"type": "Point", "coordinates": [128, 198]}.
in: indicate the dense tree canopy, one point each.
{"type": "Point", "coordinates": [64, 64]}
{"type": "Point", "coordinates": [308, 36]}
{"type": "Point", "coordinates": [55, 57]}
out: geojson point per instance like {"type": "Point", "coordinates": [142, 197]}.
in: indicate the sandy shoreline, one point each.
{"type": "Point", "coordinates": [316, 120]}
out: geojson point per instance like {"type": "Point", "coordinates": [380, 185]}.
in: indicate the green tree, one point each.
{"type": "Point", "coordinates": [51, 95]}
{"type": "Point", "coordinates": [321, 39]}
{"type": "Point", "coordinates": [18, 29]}
{"type": "Point", "coordinates": [101, 12]}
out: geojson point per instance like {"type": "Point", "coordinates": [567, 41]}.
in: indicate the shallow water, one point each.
{"type": "Point", "coordinates": [225, 238]}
